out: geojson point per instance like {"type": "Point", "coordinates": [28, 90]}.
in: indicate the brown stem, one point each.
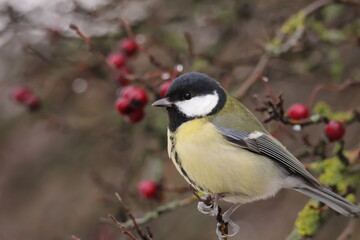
{"type": "Point", "coordinates": [252, 77]}
{"type": "Point", "coordinates": [131, 216]}
{"type": "Point", "coordinates": [334, 88]}
{"type": "Point", "coordinates": [122, 228]}
{"type": "Point", "coordinates": [348, 230]}
{"type": "Point", "coordinates": [189, 41]}
{"type": "Point", "coordinates": [128, 29]}
{"type": "Point", "coordinates": [81, 34]}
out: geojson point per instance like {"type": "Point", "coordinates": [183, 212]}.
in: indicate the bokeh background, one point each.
{"type": "Point", "coordinates": [60, 165]}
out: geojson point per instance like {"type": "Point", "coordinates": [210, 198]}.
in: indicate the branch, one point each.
{"type": "Point", "coordinates": [190, 44]}
{"type": "Point", "coordinates": [157, 212]}
{"type": "Point", "coordinates": [312, 218]}
{"type": "Point", "coordinates": [334, 88]}
{"type": "Point", "coordinates": [284, 47]}
{"type": "Point", "coordinates": [122, 227]}
{"type": "Point", "coordinates": [253, 76]}
{"type": "Point", "coordinates": [81, 34]}
{"type": "Point", "coordinates": [151, 57]}
{"type": "Point", "coordinates": [348, 230]}
{"type": "Point", "coordinates": [131, 216]}
{"type": "Point", "coordinates": [128, 29]}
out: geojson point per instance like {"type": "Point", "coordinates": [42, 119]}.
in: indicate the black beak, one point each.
{"type": "Point", "coordinates": [162, 103]}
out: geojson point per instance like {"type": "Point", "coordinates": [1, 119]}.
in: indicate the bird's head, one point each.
{"type": "Point", "coordinates": [192, 95]}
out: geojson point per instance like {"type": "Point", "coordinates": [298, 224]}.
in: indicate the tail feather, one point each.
{"type": "Point", "coordinates": [333, 200]}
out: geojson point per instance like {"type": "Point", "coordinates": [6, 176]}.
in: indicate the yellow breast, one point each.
{"type": "Point", "coordinates": [213, 165]}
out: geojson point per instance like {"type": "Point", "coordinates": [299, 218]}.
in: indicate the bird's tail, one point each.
{"type": "Point", "coordinates": [333, 200]}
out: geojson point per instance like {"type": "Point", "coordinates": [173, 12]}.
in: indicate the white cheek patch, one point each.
{"type": "Point", "coordinates": [255, 135]}
{"type": "Point", "coordinates": [198, 106]}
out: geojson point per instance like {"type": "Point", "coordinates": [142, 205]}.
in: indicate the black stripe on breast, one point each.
{"type": "Point", "coordinates": [184, 173]}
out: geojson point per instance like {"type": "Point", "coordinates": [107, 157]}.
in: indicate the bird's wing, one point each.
{"type": "Point", "coordinates": [264, 144]}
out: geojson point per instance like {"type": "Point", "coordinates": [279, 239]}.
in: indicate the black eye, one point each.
{"type": "Point", "coordinates": [187, 96]}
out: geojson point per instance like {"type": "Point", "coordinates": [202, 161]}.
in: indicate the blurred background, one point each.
{"type": "Point", "coordinates": [66, 152]}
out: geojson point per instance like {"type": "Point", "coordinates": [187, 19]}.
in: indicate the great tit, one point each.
{"type": "Point", "coordinates": [221, 149]}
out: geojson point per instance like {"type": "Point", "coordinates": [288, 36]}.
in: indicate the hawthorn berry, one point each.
{"type": "Point", "coordinates": [129, 46]}
{"type": "Point", "coordinates": [148, 189]}
{"type": "Point", "coordinates": [334, 130]}
{"type": "Point", "coordinates": [20, 94]}
{"type": "Point", "coordinates": [123, 105]}
{"type": "Point", "coordinates": [116, 59]}
{"type": "Point", "coordinates": [164, 88]}
{"type": "Point", "coordinates": [298, 111]}
{"type": "Point", "coordinates": [135, 93]}
{"type": "Point", "coordinates": [136, 115]}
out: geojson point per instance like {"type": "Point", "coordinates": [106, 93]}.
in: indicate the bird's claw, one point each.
{"type": "Point", "coordinates": [211, 210]}
{"type": "Point", "coordinates": [235, 229]}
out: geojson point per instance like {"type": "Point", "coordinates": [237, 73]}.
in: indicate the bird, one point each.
{"type": "Point", "coordinates": [223, 151]}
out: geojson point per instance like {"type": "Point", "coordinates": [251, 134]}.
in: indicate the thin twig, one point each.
{"type": "Point", "coordinates": [190, 44]}
{"type": "Point", "coordinates": [286, 46]}
{"type": "Point", "coordinates": [30, 49]}
{"type": "Point", "coordinates": [334, 88]}
{"type": "Point", "coordinates": [81, 34]}
{"type": "Point", "coordinates": [252, 77]}
{"type": "Point", "coordinates": [348, 230]}
{"type": "Point", "coordinates": [131, 216]}
{"type": "Point", "coordinates": [151, 57]}
{"type": "Point", "coordinates": [127, 27]}
{"type": "Point", "coordinates": [149, 233]}
{"type": "Point", "coordinates": [122, 227]}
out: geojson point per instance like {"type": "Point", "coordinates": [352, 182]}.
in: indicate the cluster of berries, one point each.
{"type": "Point", "coordinates": [132, 99]}
{"type": "Point", "coordinates": [118, 60]}
{"type": "Point", "coordinates": [26, 97]}
{"type": "Point", "coordinates": [131, 103]}
{"type": "Point", "coordinates": [334, 130]}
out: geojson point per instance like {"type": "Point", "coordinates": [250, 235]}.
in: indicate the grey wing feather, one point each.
{"type": "Point", "coordinates": [267, 145]}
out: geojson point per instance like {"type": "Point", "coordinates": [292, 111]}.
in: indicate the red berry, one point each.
{"type": "Point", "coordinates": [164, 88]}
{"type": "Point", "coordinates": [32, 102]}
{"type": "Point", "coordinates": [20, 94]}
{"type": "Point", "coordinates": [123, 105]}
{"type": "Point", "coordinates": [129, 46]}
{"type": "Point", "coordinates": [135, 93]}
{"type": "Point", "coordinates": [298, 111]}
{"type": "Point", "coordinates": [148, 189]}
{"type": "Point", "coordinates": [136, 116]}
{"type": "Point", "coordinates": [116, 60]}
{"type": "Point", "coordinates": [334, 130]}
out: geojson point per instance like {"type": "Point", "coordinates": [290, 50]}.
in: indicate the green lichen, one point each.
{"type": "Point", "coordinates": [324, 110]}
{"type": "Point", "coordinates": [351, 198]}
{"type": "Point", "coordinates": [274, 46]}
{"type": "Point", "coordinates": [294, 23]}
{"type": "Point", "coordinates": [348, 181]}
{"type": "Point", "coordinates": [333, 171]}
{"type": "Point", "coordinates": [308, 220]}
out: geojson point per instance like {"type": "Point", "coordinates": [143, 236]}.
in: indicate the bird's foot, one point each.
{"type": "Point", "coordinates": [208, 205]}
{"type": "Point", "coordinates": [227, 229]}
{"type": "Point", "coordinates": [224, 223]}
